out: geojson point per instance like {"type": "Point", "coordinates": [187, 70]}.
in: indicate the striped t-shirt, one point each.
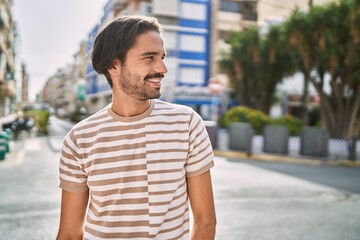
{"type": "Point", "coordinates": [135, 169]}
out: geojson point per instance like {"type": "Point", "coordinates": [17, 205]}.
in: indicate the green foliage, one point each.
{"type": "Point", "coordinates": [255, 64]}
{"type": "Point", "coordinates": [326, 40]}
{"type": "Point", "coordinates": [2, 91]}
{"type": "Point", "coordinates": [293, 124]}
{"type": "Point", "coordinates": [315, 117]}
{"type": "Point", "coordinates": [258, 120]}
{"type": "Point", "coordinates": [255, 118]}
{"type": "Point", "coordinates": [42, 121]}
{"type": "Point", "coordinates": [41, 118]}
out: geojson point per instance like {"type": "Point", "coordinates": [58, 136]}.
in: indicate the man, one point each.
{"type": "Point", "coordinates": [127, 171]}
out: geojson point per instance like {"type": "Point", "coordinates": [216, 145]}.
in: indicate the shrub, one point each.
{"type": "Point", "coordinates": [315, 117]}
{"type": "Point", "coordinates": [293, 124]}
{"type": "Point", "coordinates": [42, 121]}
{"type": "Point", "coordinates": [255, 118]}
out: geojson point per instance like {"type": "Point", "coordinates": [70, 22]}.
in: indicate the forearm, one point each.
{"type": "Point", "coordinates": [204, 230]}
{"type": "Point", "coordinates": [202, 205]}
{"type": "Point", "coordinates": [65, 236]}
{"type": "Point", "coordinates": [72, 219]}
{"type": "Point", "coordinates": [68, 233]}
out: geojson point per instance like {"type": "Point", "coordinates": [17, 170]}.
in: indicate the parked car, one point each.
{"type": "Point", "coordinates": [20, 124]}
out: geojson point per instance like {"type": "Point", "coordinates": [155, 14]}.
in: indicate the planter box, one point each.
{"type": "Point", "coordinates": [314, 142]}
{"type": "Point", "coordinates": [240, 136]}
{"type": "Point", "coordinates": [211, 128]}
{"type": "Point", "coordinates": [276, 139]}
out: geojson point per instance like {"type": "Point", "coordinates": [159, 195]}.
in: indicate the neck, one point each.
{"type": "Point", "coordinates": [128, 107]}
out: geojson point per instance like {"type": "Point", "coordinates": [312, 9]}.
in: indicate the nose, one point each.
{"type": "Point", "coordinates": [161, 67]}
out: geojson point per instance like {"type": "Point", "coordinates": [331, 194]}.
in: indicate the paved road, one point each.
{"type": "Point", "coordinates": [30, 197]}
{"type": "Point", "coordinates": [340, 177]}
{"type": "Point", "coordinates": [257, 204]}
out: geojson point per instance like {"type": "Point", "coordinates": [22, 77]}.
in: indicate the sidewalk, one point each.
{"type": "Point", "coordinates": [15, 156]}
{"type": "Point", "coordinates": [222, 150]}
{"type": "Point", "coordinates": [284, 159]}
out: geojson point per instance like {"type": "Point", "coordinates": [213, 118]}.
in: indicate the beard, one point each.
{"type": "Point", "coordinates": [134, 85]}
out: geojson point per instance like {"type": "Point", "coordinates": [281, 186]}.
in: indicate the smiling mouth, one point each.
{"type": "Point", "coordinates": [154, 80]}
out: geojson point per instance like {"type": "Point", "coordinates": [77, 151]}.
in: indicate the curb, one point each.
{"type": "Point", "coordinates": [285, 159]}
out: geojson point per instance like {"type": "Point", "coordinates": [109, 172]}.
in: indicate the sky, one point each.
{"type": "Point", "coordinates": [49, 34]}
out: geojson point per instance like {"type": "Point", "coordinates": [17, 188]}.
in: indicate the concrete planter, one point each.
{"type": "Point", "coordinates": [211, 128]}
{"type": "Point", "coordinates": [314, 142]}
{"type": "Point", "coordinates": [276, 139]}
{"type": "Point", "coordinates": [240, 136]}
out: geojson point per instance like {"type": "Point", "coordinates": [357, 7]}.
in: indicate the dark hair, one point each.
{"type": "Point", "coordinates": [114, 41]}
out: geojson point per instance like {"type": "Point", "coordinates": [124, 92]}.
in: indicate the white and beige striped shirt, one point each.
{"type": "Point", "coordinates": [135, 169]}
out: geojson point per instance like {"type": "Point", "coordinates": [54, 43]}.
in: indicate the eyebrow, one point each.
{"type": "Point", "coordinates": [152, 53]}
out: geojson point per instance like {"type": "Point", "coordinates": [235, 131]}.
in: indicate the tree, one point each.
{"type": "Point", "coordinates": [299, 32]}
{"type": "Point", "coordinates": [327, 40]}
{"type": "Point", "coordinates": [240, 63]}
{"type": "Point", "coordinates": [256, 64]}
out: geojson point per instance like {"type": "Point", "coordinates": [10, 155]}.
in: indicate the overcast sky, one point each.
{"type": "Point", "coordinates": [50, 32]}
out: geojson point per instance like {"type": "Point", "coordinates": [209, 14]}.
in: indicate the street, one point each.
{"type": "Point", "coordinates": [258, 204]}
{"type": "Point", "coordinates": [343, 178]}
{"type": "Point", "coordinates": [254, 200]}
{"type": "Point", "coordinates": [30, 197]}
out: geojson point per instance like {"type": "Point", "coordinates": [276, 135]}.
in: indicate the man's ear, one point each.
{"type": "Point", "coordinates": [115, 68]}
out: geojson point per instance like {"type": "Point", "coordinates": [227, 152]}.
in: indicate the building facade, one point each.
{"type": "Point", "coordinates": [24, 83]}
{"type": "Point", "coordinates": [7, 55]}
{"type": "Point", "coordinates": [65, 90]}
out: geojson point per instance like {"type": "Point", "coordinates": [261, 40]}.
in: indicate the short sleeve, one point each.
{"type": "Point", "coordinates": [200, 157]}
{"type": "Point", "coordinates": [72, 176]}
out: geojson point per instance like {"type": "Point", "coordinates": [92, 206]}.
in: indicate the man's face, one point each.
{"type": "Point", "coordinates": [144, 67]}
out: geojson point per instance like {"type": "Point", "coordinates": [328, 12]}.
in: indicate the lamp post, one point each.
{"type": "Point", "coordinates": [216, 89]}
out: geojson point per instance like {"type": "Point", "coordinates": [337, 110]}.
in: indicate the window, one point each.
{"type": "Point", "coordinates": [171, 65]}
{"type": "Point", "coordinates": [229, 6]}
{"type": "Point", "coordinates": [170, 40]}
{"type": "Point", "coordinates": [165, 8]}
{"type": "Point", "coordinates": [145, 8]}
{"type": "Point", "coordinates": [249, 11]}
{"type": "Point", "coordinates": [192, 43]}
{"type": "Point", "coordinates": [191, 75]}
{"type": "Point", "coordinates": [193, 11]}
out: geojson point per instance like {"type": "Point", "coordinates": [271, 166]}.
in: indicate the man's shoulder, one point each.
{"type": "Point", "coordinates": [94, 119]}
{"type": "Point", "coordinates": [162, 106]}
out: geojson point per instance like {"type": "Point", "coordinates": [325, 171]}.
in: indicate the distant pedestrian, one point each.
{"type": "Point", "coordinates": [128, 171]}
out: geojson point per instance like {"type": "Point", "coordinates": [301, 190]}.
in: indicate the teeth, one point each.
{"type": "Point", "coordinates": [154, 80]}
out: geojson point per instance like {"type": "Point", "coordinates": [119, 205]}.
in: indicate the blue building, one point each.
{"type": "Point", "coordinates": [194, 53]}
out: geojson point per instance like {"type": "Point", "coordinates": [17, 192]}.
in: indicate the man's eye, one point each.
{"type": "Point", "coordinates": [149, 57]}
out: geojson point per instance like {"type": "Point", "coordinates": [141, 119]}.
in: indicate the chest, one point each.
{"type": "Point", "coordinates": [146, 155]}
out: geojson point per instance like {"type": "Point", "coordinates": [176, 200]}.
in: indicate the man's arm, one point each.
{"type": "Point", "coordinates": [202, 205]}
{"type": "Point", "coordinates": [72, 219]}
